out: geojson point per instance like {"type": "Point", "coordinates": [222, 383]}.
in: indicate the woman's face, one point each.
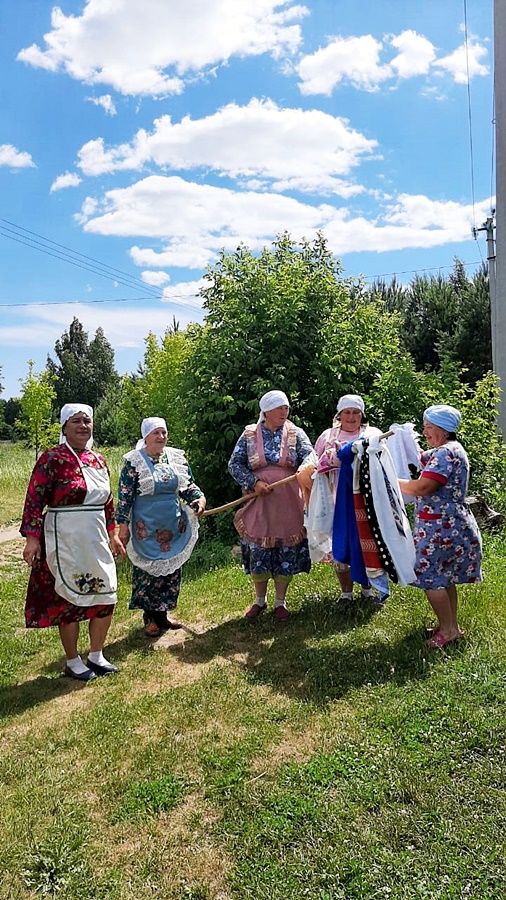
{"type": "Point", "coordinates": [155, 441]}
{"type": "Point", "coordinates": [78, 430]}
{"type": "Point", "coordinates": [433, 434]}
{"type": "Point", "coordinates": [350, 419]}
{"type": "Point", "coordinates": [276, 418]}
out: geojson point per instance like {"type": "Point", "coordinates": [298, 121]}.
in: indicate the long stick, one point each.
{"type": "Point", "coordinates": [245, 498]}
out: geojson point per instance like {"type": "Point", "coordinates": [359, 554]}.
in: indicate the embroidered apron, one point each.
{"type": "Point", "coordinates": [77, 545]}
{"type": "Point", "coordinates": [163, 531]}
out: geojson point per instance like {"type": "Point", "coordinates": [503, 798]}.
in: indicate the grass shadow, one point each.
{"type": "Point", "coordinates": [309, 657]}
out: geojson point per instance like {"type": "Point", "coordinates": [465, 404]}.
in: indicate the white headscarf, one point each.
{"type": "Point", "coordinates": [71, 409]}
{"type": "Point", "coordinates": [350, 401]}
{"type": "Point", "coordinates": [271, 400]}
{"type": "Point", "coordinates": [148, 425]}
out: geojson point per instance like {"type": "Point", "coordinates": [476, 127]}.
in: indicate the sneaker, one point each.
{"type": "Point", "coordinates": [281, 613]}
{"type": "Point", "coordinates": [255, 611]}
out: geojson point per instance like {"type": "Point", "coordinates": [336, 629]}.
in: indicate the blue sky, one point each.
{"type": "Point", "coordinates": [148, 135]}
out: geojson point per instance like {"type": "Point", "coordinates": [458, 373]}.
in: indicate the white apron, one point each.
{"type": "Point", "coordinates": [77, 545]}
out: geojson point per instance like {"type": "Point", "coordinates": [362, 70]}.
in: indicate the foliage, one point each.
{"type": "Point", "coordinates": [443, 318]}
{"type": "Point", "coordinates": [37, 399]}
{"type": "Point", "coordinates": [85, 369]}
{"type": "Point", "coordinates": [286, 319]}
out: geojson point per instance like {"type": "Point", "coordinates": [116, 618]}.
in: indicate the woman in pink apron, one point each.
{"type": "Point", "coordinates": [271, 527]}
{"type": "Point", "coordinates": [70, 546]}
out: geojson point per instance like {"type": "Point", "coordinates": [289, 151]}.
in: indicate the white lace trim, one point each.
{"type": "Point", "coordinates": [167, 566]}
{"type": "Point", "coordinates": [172, 456]}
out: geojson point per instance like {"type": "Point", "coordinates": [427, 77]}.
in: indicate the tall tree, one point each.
{"type": "Point", "coordinates": [85, 369]}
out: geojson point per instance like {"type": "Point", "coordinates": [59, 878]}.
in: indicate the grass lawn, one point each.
{"type": "Point", "coordinates": [331, 757]}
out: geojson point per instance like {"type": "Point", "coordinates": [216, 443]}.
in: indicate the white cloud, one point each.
{"type": "Point", "coordinates": [68, 179]}
{"type": "Point", "coordinates": [147, 48]}
{"type": "Point", "coordinates": [155, 278]}
{"type": "Point", "coordinates": [186, 293]}
{"type": "Point", "coordinates": [351, 59]}
{"type": "Point", "coordinates": [16, 159]}
{"type": "Point", "coordinates": [125, 325]}
{"type": "Point", "coordinates": [106, 102]}
{"type": "Point", "coordinates": [458, 62]}
{"type": "Point", "coordinates": [304, 150]}
{"type": "Point", "coordinates": [191, 222]}
{"type": "Point", "coordinates": [416, 54]}
{"type": "Point", "coordinates": [357, 61]}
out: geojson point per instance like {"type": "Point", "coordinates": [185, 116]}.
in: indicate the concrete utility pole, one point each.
{"type": "Point", "coordinates": [498, 302]}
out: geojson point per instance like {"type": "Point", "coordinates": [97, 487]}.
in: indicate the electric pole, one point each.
{"type": "Point", "coordinates": [498, 297]}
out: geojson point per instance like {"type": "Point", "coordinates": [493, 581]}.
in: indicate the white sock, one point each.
{"type": "Point", "coordinates": [97, 657]}
{"type": "Point", "coordinates": [77, 666]}
{"type": "Point", "coordinates": [279, 601]}
{"type": "Point", "coordinates": [367, 592]}
{"type": "Point", "coordinates": [346, 595]}
{"type": "Point", "coordinates": [260, 601]}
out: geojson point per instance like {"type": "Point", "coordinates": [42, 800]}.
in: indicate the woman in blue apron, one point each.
{"type": "Point", "coordinates": [70, 546]}
{"type": "Point", "coordinates": [160, 530]}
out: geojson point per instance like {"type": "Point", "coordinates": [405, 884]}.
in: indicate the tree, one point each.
{"type": "Point", "coordinates": [287, 319]}
{"type": "Point", "coordinates": [85, 370]}
{"type": "Point", "coordinates": [36, 401]}
{"type": "Point", "coordinates": [444, 318]}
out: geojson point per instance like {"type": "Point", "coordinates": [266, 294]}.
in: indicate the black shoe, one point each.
{"type": "Point", "coordinates": [89, 675]}
{"type": "Point", "coordinates": [165, 624]}
{"type": "Point", "coordinates": [96, 669]}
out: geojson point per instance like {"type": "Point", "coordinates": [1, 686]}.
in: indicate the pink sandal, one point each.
{"type": "Point", "coordinates": [438, 641]}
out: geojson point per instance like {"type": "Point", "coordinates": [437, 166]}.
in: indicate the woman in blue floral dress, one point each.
{"type": "Point", "coordinates": [447, 538]}
{"type": "Point", "coordinates": [273, 538]}
{"type": "Point", "coordinates": [160, 530]}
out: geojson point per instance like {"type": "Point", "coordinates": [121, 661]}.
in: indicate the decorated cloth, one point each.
{"type": "Point", "coordinates": [447, 537]}
{"type": "Point", "coordinates": [391, 513]}
{"type": "Point", "coordinates": [327, 450]}
{"type": "Point", "coordinates": [345, 538]}
{"type": "Point", "coordinates": [366, 493]}
{"type": "Point", "coordinates": [271, 527]}
{"type": "Point", "coordinates": [60, 482]}
{"type": "Point", "coordinates": [163, 531]}
{"type": "Point", "coordinates": [404, 449]}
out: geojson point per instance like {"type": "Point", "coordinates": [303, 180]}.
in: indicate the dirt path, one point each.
{"type": "Point", "coordinates": [10, 533]}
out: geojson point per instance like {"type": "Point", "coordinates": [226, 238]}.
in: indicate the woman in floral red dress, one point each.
{"type": "Point", "coordinates": [68, 523]}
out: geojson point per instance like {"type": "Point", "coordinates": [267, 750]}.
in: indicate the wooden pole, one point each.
{"type": "Point", "coordinates": [245, 498]}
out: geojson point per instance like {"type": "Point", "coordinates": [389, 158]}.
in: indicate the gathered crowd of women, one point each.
{"type": "Point", "coordinates": [341, 502]}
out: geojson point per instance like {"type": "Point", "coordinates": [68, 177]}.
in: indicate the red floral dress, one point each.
{"type": "Point", "coordinates": [57, 480]}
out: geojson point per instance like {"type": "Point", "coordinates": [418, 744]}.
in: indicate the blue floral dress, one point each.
{"type": "Point", "coordinates": [446, 534]}
{"type": "Point", "coordinates": [156, 531]}
{"type": "Point", "coordinates": [278, 561]}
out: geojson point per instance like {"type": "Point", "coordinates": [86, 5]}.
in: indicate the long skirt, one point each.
{"type": "Point", "coordinates": [154, 593]}
{"type": "Point", "coordinates": [275, 561]}
{"type": "Point", "coordinates": [44, 607]}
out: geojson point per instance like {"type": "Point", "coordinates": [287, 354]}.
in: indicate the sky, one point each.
{"type": "Point", "coordinates": [140, 137]}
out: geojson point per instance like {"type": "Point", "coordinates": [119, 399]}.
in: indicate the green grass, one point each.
{"type": "Point", "coordinates": [333, 757]}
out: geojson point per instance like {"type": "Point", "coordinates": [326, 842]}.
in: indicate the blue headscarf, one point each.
{"type": "Point", "coordinates": [446, 417]}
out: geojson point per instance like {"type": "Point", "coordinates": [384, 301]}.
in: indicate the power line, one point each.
{"type": "Point", "coordinates": [66, 254]}
{"type": "Point", "coordinates": [476, 262]}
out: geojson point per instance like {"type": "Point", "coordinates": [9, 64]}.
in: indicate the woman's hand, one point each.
{"type": "Point", "coordinates": [199, 506]}
{"type": "Point", "coordinates": [31, 551]}
{"type": "Point", "coordinates": [261, 487]}
{"type": "Point", "coordinates": [117, 545]}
